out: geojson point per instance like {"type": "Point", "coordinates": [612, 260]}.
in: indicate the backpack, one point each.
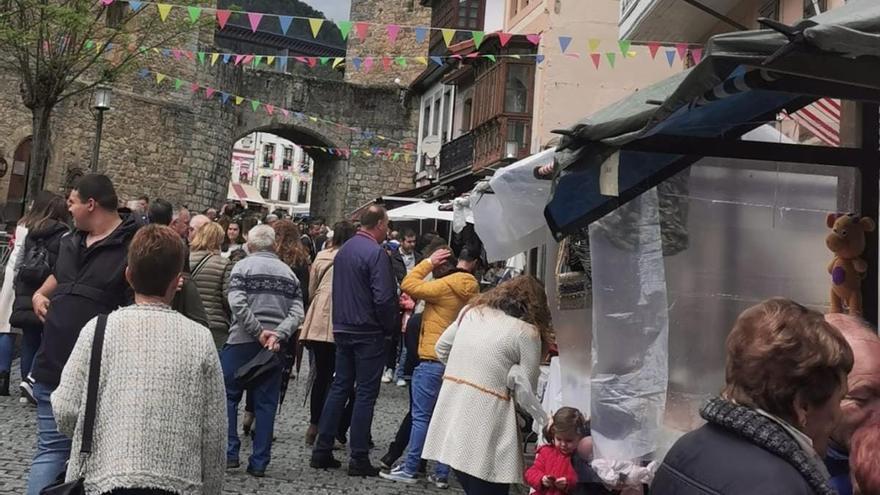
{"type": "Point", "coordinates": [35, 267]}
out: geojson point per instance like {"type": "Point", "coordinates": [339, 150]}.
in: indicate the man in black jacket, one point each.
{"type": "Point", "coordinates": [88, 280]}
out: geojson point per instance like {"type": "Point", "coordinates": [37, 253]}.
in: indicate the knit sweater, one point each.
{"type": "Point", "coordinates": [161, 413]}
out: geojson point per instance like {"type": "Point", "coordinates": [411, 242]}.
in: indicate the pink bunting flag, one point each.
{"type": "Point", "coordinates": [238, 59]}
{"type": "Point", "coordinates": [254, 18]}
{"type": "Point", "coordinates": [106, 2]}
{"type": "Point", "coordinates": [653, 47]}
{"type": "Point", "coordinates": [534, 38]}
{"type": "Point", "coordinates": [697, 53]}
{"type": "Point", "coordinates": [313, 61]}
{"type": "Point", "coordinates": [222, 17]}
{"type": "Point", "coordinates": [393, 31]}
{"type": "Point", "coordinates": [368, 64]}
{"type": "Point", "coordinates": [504, 38]}
{"type": "Point", "coordinates": [360, 29]}
{"type": "Point", "coordinates": [597, 59]}
{"type": "Point", "coordinates": [270, 108]}
{"type": "Point", "coordinates": [301, 59]}
{"type": "Point", "coordinates": [682, 50]}
{"type": "Point", "coordinates": [209, 92]}
{"type": "Point", "coordinates": [386, 63]}
{"type": "Point", "coordinates": [248, 59]}
{"type": "Point", "coordinates": [177, 54]}
{"type": "Point", "coordinates": [473, 55]}
{"type": "Point", "coordinates": [285, 112]}
{"type": "Point", "coordinates": [194, 87]}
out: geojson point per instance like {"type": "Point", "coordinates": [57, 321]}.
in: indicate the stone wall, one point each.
{"type": "Point", "coordinates": [377, 44]}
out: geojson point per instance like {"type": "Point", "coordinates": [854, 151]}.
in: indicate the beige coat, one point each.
{"type": "Point", "coordinates": [318, 325]}
{"type": "Point", "coordinates": [212, 282]}
{"type": "Point", "coordinates": [474, 428]}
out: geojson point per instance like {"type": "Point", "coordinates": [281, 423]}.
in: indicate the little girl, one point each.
{"type": "Point", "coordinates": [553, 473]}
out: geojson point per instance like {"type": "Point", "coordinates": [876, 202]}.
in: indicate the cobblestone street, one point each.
{"type": "Point", "coordinates": [288, 473]}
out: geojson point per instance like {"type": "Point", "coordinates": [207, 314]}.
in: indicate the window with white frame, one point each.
{"type": "Point", "coordinates": [436, 117]}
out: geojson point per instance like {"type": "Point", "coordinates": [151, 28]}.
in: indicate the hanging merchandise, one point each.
{"type": "Point", "coordinates": [572, 280]}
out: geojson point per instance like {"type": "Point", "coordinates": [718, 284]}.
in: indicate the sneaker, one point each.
{"type": "Point", "coordinates": [232, 464]}
{"type": "Point", "coordinates": [401, 383]}
{"type": "Point", "coordinates": [363, 470]}
{"type": "Point", "coordinates": [441, 483]}
{"type": "Point", "coordinates": [387, 461]}
{"type": "Point", "coordinates": [398, 475]}
{"type": "Point", "coordinates": [27, 392]}
{"type": "Point", "coordinates": [387, 375]}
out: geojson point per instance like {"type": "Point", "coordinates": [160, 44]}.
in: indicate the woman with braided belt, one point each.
{"type": "Point", "coordinates": [474, 428]}
{"type": "Point", "coordinates": [767, 432]}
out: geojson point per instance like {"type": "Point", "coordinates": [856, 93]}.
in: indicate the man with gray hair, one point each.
{"type": "Point", "coordinates": [266, 302]}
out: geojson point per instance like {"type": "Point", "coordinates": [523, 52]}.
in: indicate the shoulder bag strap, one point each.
{"type": "Point", "coordinates": [92, 393]}
{"type": "Point", "coordinates": [201, 265]}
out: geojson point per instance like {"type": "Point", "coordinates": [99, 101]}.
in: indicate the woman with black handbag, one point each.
{"type": "Point", "coordinates": [126, 440]}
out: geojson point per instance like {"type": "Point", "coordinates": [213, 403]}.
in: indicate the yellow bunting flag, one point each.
{"type": "Point", "coordinates": [316, 26]}
{"type": "Point", "coordinates": [164, 9]}
{"type": "Point", "coordinates": [313, 119]}
{"type": "Point", "coordinates": [594, 44]}
{"type": "Point", "coordinates": [214, 57]}
{"type": "Point", "coordinates": [422, 60]}
{"type": "Point", "coordinates": [238, 100]}
{"type": "Point", "coordinates": [448, 34]}
{"type": "Point", "coordinates": [159, 77]}
{"type": "Point", "coordinates": [270, 60]}
{"type": "Point", "coordinates": [337, 61]}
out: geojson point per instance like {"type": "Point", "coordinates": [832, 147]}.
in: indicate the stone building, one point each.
{"type": "Point", "coordinates": [177, 144]}
{"type": "Point", "coordinates": [280, 171]}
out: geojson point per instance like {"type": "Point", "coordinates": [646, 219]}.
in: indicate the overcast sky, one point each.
{"type": "Point", "coordinates": [337, 10]}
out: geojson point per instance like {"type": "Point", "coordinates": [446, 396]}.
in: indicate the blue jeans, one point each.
{"type": "Point", "coordinates": [399, 374]}
{"type": "Point", "coordinates": [53, 448]}
{"type": "Point", "coordinates": [360, 360]}
{"type": "Point", "coordinates": [7, 347]}
{"type": "Point", "coordinates": [426, 382]}
{"type": "Point", "coordinates": [31, 338]}
{"type": "Point", "coordinates": [265, 394]}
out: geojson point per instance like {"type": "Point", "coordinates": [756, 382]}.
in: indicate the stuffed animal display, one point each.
{"type": "Point", "coordinates": [847, 268]}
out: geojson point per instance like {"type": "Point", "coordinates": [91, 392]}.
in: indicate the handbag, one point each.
{"type": "Point", "coordinates": [571, 286]}
{"type": "Point", "coordinates": [253, 371]}
{"type": "Point", "coordinates": [77, 486]}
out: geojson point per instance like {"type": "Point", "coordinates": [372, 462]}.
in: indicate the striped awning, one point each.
{"type": "Point", "coordinates": [244, 192]}
{"type": "Point", "coordinates": [822, 120]}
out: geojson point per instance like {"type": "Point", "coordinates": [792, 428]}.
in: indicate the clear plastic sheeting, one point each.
{"type": "Point", "coordinates": [630, 331]}
{"type": "Point", "coordinates": [510, 220]}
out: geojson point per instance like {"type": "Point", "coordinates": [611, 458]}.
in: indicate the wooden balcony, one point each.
{"type": "Point", "coordinates": [457, 155]}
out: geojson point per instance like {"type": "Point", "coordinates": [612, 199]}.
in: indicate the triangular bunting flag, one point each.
{"type": "Point", "coordinates": [422, 60]}
{"type": "Point", "coordinates": [368, 64]}
{"type": "Point", "coordinates": [105, 3]}
{"type": "Point", "coordinates": [177, 84]}
{"type": "Point", "coordinates": [344, 28]}
{"type": "Point", "coordinates": [254, 18]}
{"type": "Point", "coordinates": [653, 47]}
{"type": "Point", "coordinates": [624, 46]}
{"type": "Point", "coordinates": [177, 54]}
{"type": "Point", "coordinates": [247, 59]}
{"type": "Point", "coordinates": [401, 61]}
{"type": "Point", "coordinates": [257, 60]}
{"type": "Point", "coordinates": [437, 60]}
{"type": "Point", "coordinates": [360, 29]}
{"type": "Point", "coordinates": [356, 61]}
{"type": "Point", "coordinates": [222, 17]}
{"type": "Point", "coordinates": [224, 97]}
{"type": "Point", "coordinates": [473, 55]}
{"type": "Point", "coordinates": [564, 41]}
{"type": "Point", "coordinates": [209, 92]}
{"type": "Point", "coordinates": [697, 53]}
{"type": "Point", "coordinates": [490, 57]}
{"type": "Point", "coordinates": [515, 56]}
{"type": "Point", "coordinates": [313, 61]}
{"type": "Point", "coordinates": [534, 39]}
{"type": "Point", "coordinates": [255, 104]}
{"type": "Point", "coordinates": [238, 59]}
{"type": "Point", "coordinates": [270, 60]}
{"type": "Point", "coordinates": [270, 109]}
{"type": "Point", "coordinates": [190, 55]}
{"type": "Point", "coordinates": [238, 100]}
{"type": "Point", "coordinates": [478, 38]}
{"type": "Point", "coordinates": [159, 77]}
{"type": "Point", "coordinates": [670, 57]}
{"type": "Point", "coordinates": [313, 119]}
{"type": "Point", "coordinates": [421, 34]}
{"type": "Point", "coordinates": [194, 13]}
{"type": "Point", "coordinates": [594, 44]}
{"type": "Point", "coordinates": [282, 64]}
{"type": "Point", "coordinates": [315, 24]}
{"type": "Point", "coordinates": [597, 59]}
{"type": "Point", "coordinates": [612, 57]}
{"type": "Point", "coordinates": [284, 21]}
{"type": "Point", "coordinates": [386, 63]}
{"type": "Point", "coordinates": [393, 30]}
{"type": "Point", "coordinates": [504, 38]}
{"type": "Point", "coordinates": [324, 60]}
{"type": "Point", "coordinates": [89, 44]}
{"type": "Point", "coordinates": [539, 58]}
{"type": "Point", "coordinates": [395, 156]}
{"type": "Point", "coordinates": [193, 87]}
{"type": "Point", "coordinates": [682, 50]}
{"type": "Point", "coordinates": [163, 9]}
{"type": "Point", "coordinates": [285, 111]}
{"type": "Point", "coordinates": [337, 61]}
{"type": "Point", "coordinates": [226, 58]}
{"type": "Point", "coordinates": [135, 5]}
{"type": "Point", "coordinates": [448, 34]}
{"type": "Point", "coordinates": [201, 57]}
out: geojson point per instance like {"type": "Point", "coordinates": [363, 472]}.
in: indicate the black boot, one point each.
{"type": "Point", "coordinates": [4, 383]}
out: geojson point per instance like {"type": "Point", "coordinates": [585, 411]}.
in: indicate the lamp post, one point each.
{"type": "Point", "coordinates": [431, 172]}
{"type": "Point", "coordinates": [101, 105]}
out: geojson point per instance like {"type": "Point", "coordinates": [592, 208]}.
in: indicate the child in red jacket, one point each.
{"type": "Point", "coordinates": [552, 473]}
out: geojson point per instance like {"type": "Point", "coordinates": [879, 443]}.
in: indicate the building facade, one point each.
{"type": "Point", "coordinates": [280, 170]}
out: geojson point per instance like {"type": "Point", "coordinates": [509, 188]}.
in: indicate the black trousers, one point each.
{"type": "Point", "coordinates": [325, 362]}
{"type": "Point", "coordinates": [476, 486]}
{"type": "Point", "coordinates": [138, 491]}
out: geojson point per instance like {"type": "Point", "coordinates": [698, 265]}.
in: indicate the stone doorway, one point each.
{"type": "Point", "coordinates": [16, 196]}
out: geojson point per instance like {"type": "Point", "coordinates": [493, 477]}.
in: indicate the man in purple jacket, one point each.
{"type": "Point", "coordinates": [364, 311]}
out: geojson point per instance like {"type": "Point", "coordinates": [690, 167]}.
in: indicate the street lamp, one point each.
{"type": "Point", "coordinates": [101, 105]}
{"type": "Point", "coordinates": [431, 170]}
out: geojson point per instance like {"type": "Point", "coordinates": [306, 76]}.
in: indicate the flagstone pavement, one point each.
{"type": "Point", "coordinates": [288, 473]}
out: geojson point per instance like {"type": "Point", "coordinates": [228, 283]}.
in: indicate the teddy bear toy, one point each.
{"type": "Point", "coordinates": [847, 269]}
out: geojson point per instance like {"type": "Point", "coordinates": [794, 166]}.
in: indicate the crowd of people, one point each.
{"type": "Point", "coordinates": [125, 311]}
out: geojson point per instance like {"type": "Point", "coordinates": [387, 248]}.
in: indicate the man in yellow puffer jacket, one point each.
{"type": "Point", "coordinates": [445, 296]}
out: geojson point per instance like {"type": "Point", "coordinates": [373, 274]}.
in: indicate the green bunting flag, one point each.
{"type": "Point", "coordinates": [255, 104]}
{"type": "Point", "coordinates": [344, 28]}
{"type": "Point", "coordinates": [194, 13]}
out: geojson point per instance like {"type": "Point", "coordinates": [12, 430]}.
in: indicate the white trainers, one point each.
{"type": "Point", "coordinates": [401, 383]}
{"type": "Point", "coordinates": [398, 475]}
{"type": "Point", "coordinates": [440, 483]}
{"type": "Point", "coordinates": [387, 376]}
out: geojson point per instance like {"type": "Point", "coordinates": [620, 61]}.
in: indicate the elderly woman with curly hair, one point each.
{"type": "Point", "coordinates": [474, 427]}
{"type": "Point", "coordinates": [786, 375]}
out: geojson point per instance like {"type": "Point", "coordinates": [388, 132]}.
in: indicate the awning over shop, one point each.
{"type": "Point", "coordinates": [244, 192]}
{"type": "Point", "coordinates": [421, 211]}
{"type": "Point", "coordinates": [744, 81]}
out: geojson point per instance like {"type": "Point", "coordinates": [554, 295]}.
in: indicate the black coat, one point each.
{"type": "Point", "coordinates": [22, 308]}
{"type": "Point", "coordinates": [91, 281]}
{"type": "Point", "coordinates": [711, 460]}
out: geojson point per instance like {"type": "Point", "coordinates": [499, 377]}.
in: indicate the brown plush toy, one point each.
{"type": "Point", "coordinates": [847, 269]}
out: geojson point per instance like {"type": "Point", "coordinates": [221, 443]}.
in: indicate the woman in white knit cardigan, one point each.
{"type": "Point", "coordinates": [474, 428]}
{"type": "Point", "coordinates": [160, 422]}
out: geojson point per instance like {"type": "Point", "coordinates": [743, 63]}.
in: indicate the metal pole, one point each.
{"type": "Point", "coordinates": [870, 204]}
{"type": "Point", "coordinates": [99, 127]}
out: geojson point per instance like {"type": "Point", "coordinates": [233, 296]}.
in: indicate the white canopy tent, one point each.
{"type": "Point", "coordinates": [420, 211]}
